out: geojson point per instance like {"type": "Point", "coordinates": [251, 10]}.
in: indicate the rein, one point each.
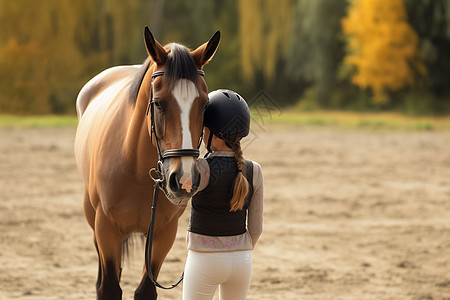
{"type": "Point", "coordinates": [159, 180]}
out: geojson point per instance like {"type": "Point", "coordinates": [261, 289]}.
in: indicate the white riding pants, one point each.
{"type": "Point", "coordinates": [204, 272]}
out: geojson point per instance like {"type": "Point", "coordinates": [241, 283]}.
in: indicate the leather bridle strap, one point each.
{"type": "Point", "coordinates": [180, 152]}
{"type": "Point", "coordinates": [159, 181]}
{"type": "Point", "coordinates": [149, 243]}
{"type": "Point", "coordinates": [171, 152]}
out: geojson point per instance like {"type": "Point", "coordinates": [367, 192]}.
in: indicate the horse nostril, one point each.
{"type": "Point", "coordinates": [173, 182]}
{"type": "Point", "coordinates": [196, 182]}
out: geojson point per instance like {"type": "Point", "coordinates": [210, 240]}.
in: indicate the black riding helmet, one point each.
{"type": "Point", "coordinates": [227, 116]}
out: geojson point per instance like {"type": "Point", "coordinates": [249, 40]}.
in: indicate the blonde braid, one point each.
{"type": "Point", "coordinates": [240, 185]}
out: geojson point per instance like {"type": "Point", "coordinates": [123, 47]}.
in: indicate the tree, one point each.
{"type": "Point", "coordinates": [24, 58]}
{"type": "Point", "coordinates": [382, 46]}
{"type": "Point", "coordinates": [49, 49]}
{"type": "Point", "coordinates": [265, 28]}
{"type": "Point", "coordinates": [431, 21]}
{"type": "Point", "coordinates": [315, 49]}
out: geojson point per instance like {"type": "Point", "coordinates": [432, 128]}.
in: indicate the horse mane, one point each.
{"type": "Point", "coordinates": [136, 82]}
{"type": "Point", "coordinates": [179, 65]}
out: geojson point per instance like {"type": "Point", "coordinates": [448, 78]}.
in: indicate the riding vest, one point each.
{"type": "Point", "coordinates": [210, 212]}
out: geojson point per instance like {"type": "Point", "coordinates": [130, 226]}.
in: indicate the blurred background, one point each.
{"type": "Point", "coordinates": [359, 55]}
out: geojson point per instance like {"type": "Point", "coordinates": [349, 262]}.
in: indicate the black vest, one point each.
{"type": "Point", "coordinates": [210, 212]}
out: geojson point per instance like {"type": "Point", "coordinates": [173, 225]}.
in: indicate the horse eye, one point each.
{"type": "Point", "coordinates": [157, 104]}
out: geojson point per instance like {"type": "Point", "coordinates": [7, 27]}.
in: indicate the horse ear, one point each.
{"type": "Point", "coordinates": [203, 54]}
{"type": "Point", "coordinates": [154, 49]}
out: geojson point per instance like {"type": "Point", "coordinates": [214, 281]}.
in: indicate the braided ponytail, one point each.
{"type": "Point", "coordinates": [240, 185]}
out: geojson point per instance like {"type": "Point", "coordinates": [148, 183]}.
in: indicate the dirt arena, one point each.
{"type": "Point", "coordinates": [348, 215]}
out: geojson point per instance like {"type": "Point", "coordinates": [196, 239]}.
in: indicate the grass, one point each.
{"type": "Point", "coordinates": [11, 121]}
{"type": "Point", "coordinates": [352, 120]}
{"type": "Point", "coordinates": [340, 120]}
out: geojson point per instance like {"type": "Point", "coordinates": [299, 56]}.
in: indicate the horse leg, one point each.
{"type": "Point", "coordinates": [146, 289]}
{"type": "Point", "coordinates": [89, 213]}
{"type": "Point", "coordinates": [109, 245]}
{"type": "Point", "coordinates": [99, 276]}
{"type": "Point", "coordinates": [162, 242]}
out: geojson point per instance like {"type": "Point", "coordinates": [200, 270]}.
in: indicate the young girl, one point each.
{"type": "Point", "coordinates": [227, 212]}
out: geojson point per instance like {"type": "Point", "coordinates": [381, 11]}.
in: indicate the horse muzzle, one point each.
{"type": "Point", "coordinates": [182, 184]}
{"type": "Point", "coordinates": [178, 178]}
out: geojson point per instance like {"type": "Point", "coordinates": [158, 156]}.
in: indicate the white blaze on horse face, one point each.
{"type": "Point", "coordinates": [185, 93]}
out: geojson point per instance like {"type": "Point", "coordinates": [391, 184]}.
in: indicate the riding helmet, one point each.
{"type": "Point", "coordinates": [227, 115]}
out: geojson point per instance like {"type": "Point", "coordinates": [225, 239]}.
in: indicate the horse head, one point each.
{"type": "Point", "coordinates": [178, 97]}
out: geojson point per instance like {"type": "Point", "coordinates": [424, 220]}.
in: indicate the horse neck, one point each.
{"type": "Point", "coordinates": [140, 154]}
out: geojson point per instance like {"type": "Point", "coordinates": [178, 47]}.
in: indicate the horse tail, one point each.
{"type": "Point", "coordinates": [131, 243]}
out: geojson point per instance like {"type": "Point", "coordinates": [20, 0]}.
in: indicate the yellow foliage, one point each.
{"type": "Point", "coordinates": [48, 49]}
{"type": "Point", "coordinates": [23, 77]}
{"type": "Point", "coordinates": [250, 12]}
{"type": "Point", "coordinates": [383, 46]}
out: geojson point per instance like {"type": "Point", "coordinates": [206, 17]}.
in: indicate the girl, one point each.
{"type": "Point", "coordinates": [220, 238]}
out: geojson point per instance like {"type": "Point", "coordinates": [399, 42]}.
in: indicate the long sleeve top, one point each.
{"type": "Point", "coordinates": [245, 241]}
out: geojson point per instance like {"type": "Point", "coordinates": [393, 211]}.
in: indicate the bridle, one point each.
{"type": "Point", "coordinates": [158, 171]}
{"type": "Point", "coordinates": [158, 177]}
{"type": "Point", "coordinates": [151, 107]}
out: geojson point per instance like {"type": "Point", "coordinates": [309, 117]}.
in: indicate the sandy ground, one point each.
{"type": "Point", "coordinates": [348, 215]}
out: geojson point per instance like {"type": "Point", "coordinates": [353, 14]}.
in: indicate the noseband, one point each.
{"type": "Point", "coordinates": [159, 179]}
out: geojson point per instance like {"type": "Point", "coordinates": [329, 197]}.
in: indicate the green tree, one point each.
{"type": "Point", "coordinates": [431, 21]}
{"type": "Point", "coordinates": [316, 50]}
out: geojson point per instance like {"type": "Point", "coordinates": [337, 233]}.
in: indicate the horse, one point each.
{"type": "Point", "coordinates": [118, 141]}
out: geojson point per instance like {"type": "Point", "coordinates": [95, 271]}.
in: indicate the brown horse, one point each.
{"type": "Point", "coordinates": [115, 148]}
